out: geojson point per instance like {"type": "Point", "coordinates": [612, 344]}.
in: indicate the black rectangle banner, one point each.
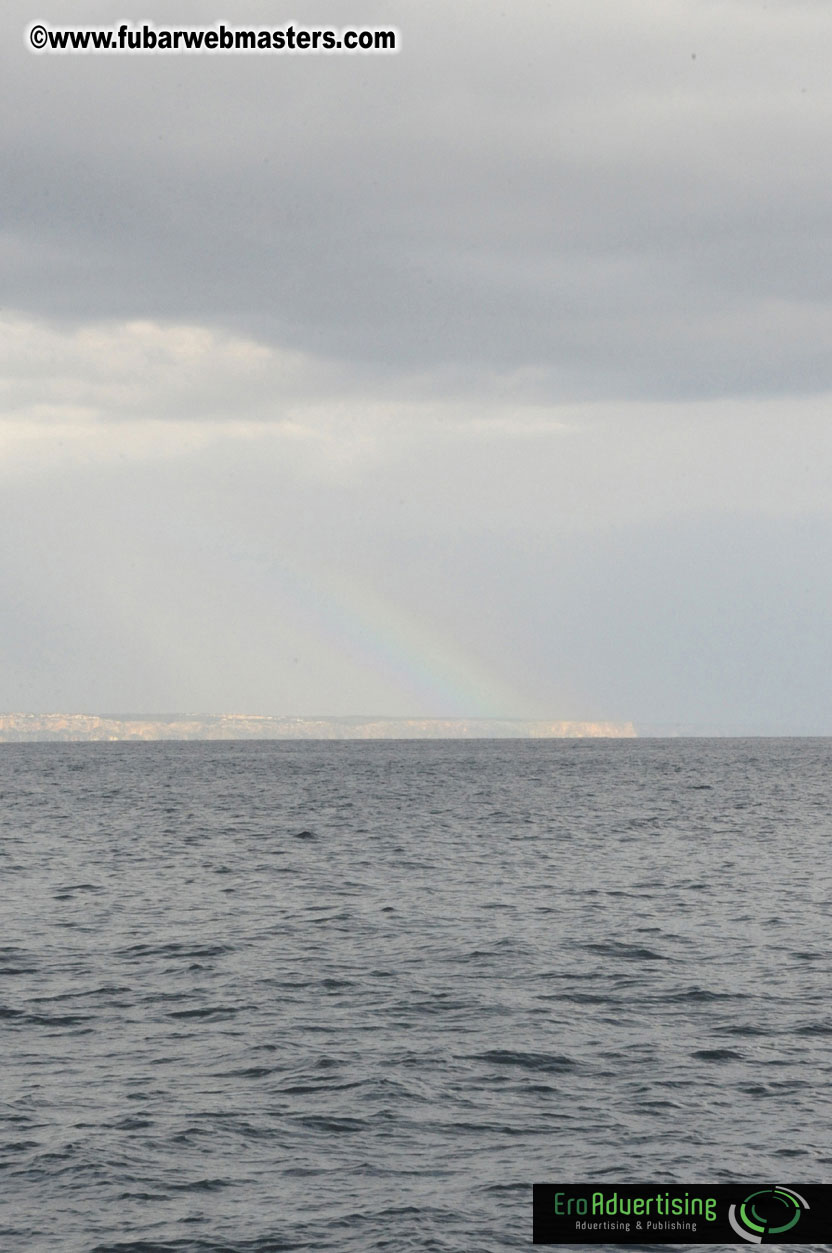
{"type": "Point", "coordinates": [682, 1213]}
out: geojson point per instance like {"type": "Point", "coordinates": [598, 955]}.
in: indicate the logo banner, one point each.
{"type": "Point", "coordinates": [677, 1213]}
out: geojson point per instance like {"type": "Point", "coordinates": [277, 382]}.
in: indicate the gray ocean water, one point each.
{"type": "Point", "coordinates": [359, 996]}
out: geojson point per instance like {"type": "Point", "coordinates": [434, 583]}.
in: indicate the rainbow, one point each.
{"type": "Point", "coordinates": [431, 669]}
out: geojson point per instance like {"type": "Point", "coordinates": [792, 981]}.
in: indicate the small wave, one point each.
{"type": "Point", "coordinates": [58, 1020]}
{"type": "Point", "coordinates": [743, 1028]}
{"type": "Point", "coordinates": [703, 996]}
{"type": "Point", "coordinates": [328, 1123]}
{"type": "Point", "coordinates": [249, 1072]}
{"type": "Point", "coordinates": [580, 998]}
{"type": "Point", "coordinates": [200, 1185]}
{"type": "Point", "coordinates": [814, 1028]}
{"type": "Point", "coordinates": [213, 1012]}
{"type": "Point", "coordinates": [83, 994]}
{"type": "Point", "coordinates": [265, 1244]}
{"type": "Point", "coordinates": [304, 1089]}
{"type": "Point", "coordinates": [553, 1062]}
{"type": "Point", "coordinates": [175, 949]}
{"type": "Point", "coordinates": [142, 1196]}
{"type": "Point", "coordinates": [626, 952]}
{"type": "Point", "coordinates": [43, 1020]}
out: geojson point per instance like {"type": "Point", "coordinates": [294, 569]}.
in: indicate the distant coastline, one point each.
{"type": "Point", "coordinates": [57, 727]}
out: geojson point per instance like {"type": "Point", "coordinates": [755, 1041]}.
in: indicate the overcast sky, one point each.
{"type": "Point", "coordinates": [492, 377]}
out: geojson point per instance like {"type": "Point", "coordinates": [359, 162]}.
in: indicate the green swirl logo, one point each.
{"type": "Point", "coordinates": [766, 1215]}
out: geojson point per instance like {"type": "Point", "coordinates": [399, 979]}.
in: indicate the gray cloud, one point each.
{"type": "Point", "coordinates": [630, 205]}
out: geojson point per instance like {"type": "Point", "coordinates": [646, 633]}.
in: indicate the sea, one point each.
{"type": "Point", "coordinates": [361, 995]}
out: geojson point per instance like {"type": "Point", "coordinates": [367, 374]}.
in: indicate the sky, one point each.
{"type": "Point", "coordinates": [489, 378]}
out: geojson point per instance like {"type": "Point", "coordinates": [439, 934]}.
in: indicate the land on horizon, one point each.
{"type": "Point", "coordinates": [27, 727]}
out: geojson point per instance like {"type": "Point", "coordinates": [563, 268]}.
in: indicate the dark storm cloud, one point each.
{"type": "Point", "coordinates": [631, 205]}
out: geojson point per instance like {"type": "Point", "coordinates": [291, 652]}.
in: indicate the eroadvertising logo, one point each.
{"type": "Point", "coordinates": [693, 1213]}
